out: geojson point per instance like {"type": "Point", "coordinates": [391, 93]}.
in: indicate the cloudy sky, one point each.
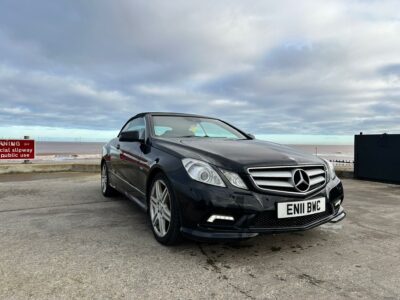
{"type": "Point", "coordinates": [293, 70]}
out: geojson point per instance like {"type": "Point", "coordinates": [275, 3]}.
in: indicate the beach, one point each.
{"type": "Point", "coordinates": [68, 151]}
{"type": "Point", "coordinates": [330, 152]}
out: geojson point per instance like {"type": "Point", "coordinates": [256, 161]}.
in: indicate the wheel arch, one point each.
{"type": "Point", "coordinates": [153, 172]}
{"type": "Point", "coordinates": [103, 161]}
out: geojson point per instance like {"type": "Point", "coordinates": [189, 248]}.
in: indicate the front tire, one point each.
{"type": "Point", "coordinates": [164, 212]}
{"type": "Point", "coordinates": [106, 189]}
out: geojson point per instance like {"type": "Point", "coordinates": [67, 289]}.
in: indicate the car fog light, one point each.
{"type": "Point", "coordinates": [219, 217]}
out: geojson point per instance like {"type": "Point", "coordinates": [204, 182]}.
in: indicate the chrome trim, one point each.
{"type": "Point", "coordinates": [314, 172]}
{"type": "Point", "coordinates": [316, 180]}
{"type": "Point", "coordinates": [289, 166]}
{"type": "Point", "coordinates": [274, 183]}
{"type": "Point", "coordinates": [290, 184]}
{"type": "Point", "coordinates": [282, 174]}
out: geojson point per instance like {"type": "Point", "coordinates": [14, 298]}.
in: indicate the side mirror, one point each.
{"type": "Point", "coordinates": [252, 136]}
{"type": "Point", "coordinates": [130, 136]}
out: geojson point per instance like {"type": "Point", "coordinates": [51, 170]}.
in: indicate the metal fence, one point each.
{"type": "Point", "coordinates": [377, 157]}
{"type": "Point", "coordinates": [348, 164]}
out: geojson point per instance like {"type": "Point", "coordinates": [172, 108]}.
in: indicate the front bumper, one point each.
{"type": "Point", "coordinates": [245, 233]}
{"type": "Point", "coordinates": [253, 212]}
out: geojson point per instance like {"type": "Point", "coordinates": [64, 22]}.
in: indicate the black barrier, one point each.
{"type": "Point", "coordinates": [377, 157]}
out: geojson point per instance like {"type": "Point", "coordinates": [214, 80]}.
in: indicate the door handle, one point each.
{"type": "Point", "coordinates": [118, 146]}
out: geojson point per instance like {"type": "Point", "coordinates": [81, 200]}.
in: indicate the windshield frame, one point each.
{"type": "Point", "coordinates": [153, 134]}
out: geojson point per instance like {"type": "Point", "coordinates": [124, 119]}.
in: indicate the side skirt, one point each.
{"type": "Point", "coordinates": [136, 200]}
{"type": "Point", "coordinates": [122, 191]}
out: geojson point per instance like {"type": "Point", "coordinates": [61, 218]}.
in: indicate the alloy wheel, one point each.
{"type": "Point", "coordinates": [160, 208]}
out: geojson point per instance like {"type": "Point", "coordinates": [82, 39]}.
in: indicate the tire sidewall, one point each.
{"type": "Point", "coordinates": [108, 191]}
{"type": "Point", "coordinates": [173, 233]}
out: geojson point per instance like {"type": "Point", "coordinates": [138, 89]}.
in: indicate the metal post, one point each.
{"type": "Point", "coordinates": [26, 161]}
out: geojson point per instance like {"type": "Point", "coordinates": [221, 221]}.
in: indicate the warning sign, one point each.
{"type": "Point", "coordinates": [17, 149]}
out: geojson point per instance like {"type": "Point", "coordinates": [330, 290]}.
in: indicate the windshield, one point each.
{"type": "Point", "coordinates": [180, 127]}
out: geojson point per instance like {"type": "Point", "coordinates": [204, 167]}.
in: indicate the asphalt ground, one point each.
{"type": "Point", "coordinates": [60, 239]}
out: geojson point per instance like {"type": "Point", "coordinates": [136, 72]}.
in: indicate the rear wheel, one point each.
{"type": "Point", "coordinates": [106, 189]}
{"type": "Point", "coordinates": [164, 212]}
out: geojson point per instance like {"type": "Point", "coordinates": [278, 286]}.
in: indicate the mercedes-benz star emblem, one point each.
{"type": "Point", "coordinates": [301, 180]}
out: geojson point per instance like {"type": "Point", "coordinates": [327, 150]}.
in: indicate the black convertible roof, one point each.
{"type": "Point", "coordinates": [170, 114]}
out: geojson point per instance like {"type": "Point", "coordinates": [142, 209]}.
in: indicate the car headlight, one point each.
{"type": "Point", "coordinates": [331, 169]}
{"type": "Point", "coordinates": [234, 179]}
{"type": "Point", "coordinates": [202, 171]}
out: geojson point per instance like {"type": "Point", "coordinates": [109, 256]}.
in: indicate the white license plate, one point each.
{"type": "Point", "coordinates": [300, 208]}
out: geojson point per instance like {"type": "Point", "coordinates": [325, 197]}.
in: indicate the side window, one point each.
{"type": "Point", "coordinates": [137, 124]}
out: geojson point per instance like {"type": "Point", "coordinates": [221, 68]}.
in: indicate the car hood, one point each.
{"type": "Point", "coordinates": [236, 154]}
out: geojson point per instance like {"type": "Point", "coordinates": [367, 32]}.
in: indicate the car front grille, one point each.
{"type": "Point", "coordinates": [281, 179]}
{"type": "Point", "coordinates": [269, 220]}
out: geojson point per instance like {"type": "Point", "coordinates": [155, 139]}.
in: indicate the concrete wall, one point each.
{"type": "Point", "coordinates": [44, 168]}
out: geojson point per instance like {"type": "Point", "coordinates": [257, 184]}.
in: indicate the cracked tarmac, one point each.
{"type": "Point", "coordinates": [60, 239]}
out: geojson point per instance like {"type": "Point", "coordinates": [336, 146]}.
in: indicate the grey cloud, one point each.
{"type": "Point", "coordinates": [390, 69]}
{"type": "Point", "coordinates": [288, 68]}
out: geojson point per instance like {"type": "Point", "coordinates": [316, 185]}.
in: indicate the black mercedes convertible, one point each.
{"type": "Point", "coordinates": [202, 178]}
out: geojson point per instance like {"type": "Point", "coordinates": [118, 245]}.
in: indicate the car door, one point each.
{"type": "Point", "coordinates": [114, 162]}
{"type": "Point", "coordinates": [131, 157]}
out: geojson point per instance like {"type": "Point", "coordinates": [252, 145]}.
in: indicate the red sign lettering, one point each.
{"type": "Point", "coordinates": [17, 149]}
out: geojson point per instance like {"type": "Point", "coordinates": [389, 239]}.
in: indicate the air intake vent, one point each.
{"type": "Point", "coordinates": [295, 180]}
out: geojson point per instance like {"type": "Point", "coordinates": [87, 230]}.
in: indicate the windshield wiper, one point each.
{"type": "Point", "coordinates": [193, 136]}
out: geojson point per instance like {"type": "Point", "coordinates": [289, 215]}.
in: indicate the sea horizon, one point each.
{"type": "Point", "coordinates": [85, 149]}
